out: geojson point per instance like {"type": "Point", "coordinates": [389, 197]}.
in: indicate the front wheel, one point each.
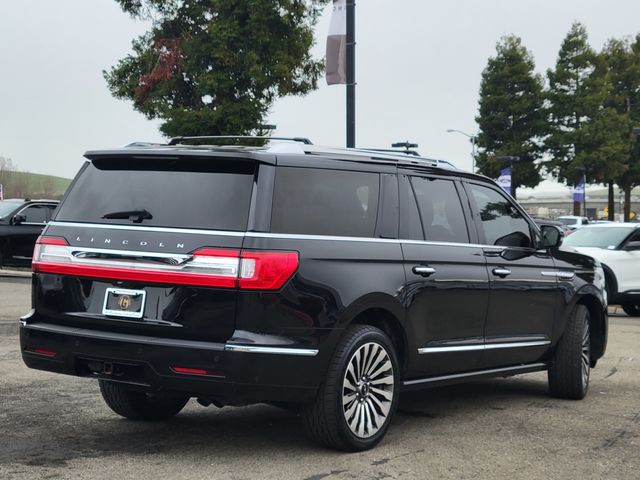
{"type": "Point", "coordinates": [359, 395]}
{"type": "Point", "coordinates": [631, 309]}
{"type": "Point", "coordinates": [136, 405]}
{"type": "Point", "coordinates": [569, 371]}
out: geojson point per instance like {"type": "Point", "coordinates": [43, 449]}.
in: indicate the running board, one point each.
{"type": "Point", "coordinates": [467, 376]}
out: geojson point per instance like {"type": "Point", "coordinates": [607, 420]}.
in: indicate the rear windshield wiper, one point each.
{"type": "Point", "coordinates": [136, 216]}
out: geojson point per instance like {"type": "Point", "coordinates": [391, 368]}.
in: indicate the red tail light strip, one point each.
{"type": "Point", "coordinates": [41, 351]}
{"type": "Point", "coordinates": [197, 371]}
{"type": "Point", "coordinates": [208, 267]}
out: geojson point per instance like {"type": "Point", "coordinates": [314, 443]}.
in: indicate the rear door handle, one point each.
{"type": "Point", "coordinates": [501, 272]}
{"type": "Point", "coordinates": [423, 270]}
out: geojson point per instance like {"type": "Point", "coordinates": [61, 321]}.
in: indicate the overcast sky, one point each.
{"type": "Point", "coordinates": [418, 71]}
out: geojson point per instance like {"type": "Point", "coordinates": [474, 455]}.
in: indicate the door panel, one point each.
{"type": "Point", "coordinates": [523, 282]}
{"type": "Point", "coordinates": [23, 236]}
{"type": "Point", "coordinates": [446, 295]}
{"type": "Point", "coordinates": [445, 310]}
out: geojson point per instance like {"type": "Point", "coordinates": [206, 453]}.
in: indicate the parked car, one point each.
{"type": "Point", "coordinates": [562, 228]}
{"type": "Point", "coordinates": [617, 247]}
{"type": "Point", "coordinates": [573, 222]}
{"type": "Point", "coordinates": [326, 280]}
{"type": "Point", "coordinates": [21, 222]}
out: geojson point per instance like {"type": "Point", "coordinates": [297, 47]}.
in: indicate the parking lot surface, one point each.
{"type": "Point", "coordinates": [54, 426]}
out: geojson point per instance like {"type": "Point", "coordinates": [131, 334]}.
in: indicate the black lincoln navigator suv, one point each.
{"type": "Point", "coordinates": [329, 280]}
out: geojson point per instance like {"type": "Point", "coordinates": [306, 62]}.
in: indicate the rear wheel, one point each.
{"type": "Point", "coordinates": [136, 405]}
{"type": "Point", "coordinates": [631, 309]}
{"type": "Point", "coordinates": [569, 372]}
{"type": "Point", "coordinates": [359, 396]}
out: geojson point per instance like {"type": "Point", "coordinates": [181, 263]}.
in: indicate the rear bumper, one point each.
{"type": "Point", "coordinates": [234, 373]}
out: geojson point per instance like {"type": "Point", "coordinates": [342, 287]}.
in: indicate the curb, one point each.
{"type": "Point", "coordinates": [11, 273]}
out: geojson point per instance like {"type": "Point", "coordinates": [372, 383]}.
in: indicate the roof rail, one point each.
{"type": "Point", "coordinates": [390, 150]}
{"type": "Point", "coordinates": [177, 140]}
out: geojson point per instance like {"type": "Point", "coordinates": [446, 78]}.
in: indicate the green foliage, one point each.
{"type": "Point", "coordinates": [623, 61]}
{"type": "Point", "coordinates": [215, 67]}
{"type": "Point", "coordinates": [511, 115]}
{"type": "Point", "coordinates": [584, 132]}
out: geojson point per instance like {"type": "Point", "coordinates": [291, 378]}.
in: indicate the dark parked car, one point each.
{"type": "Point", "coordinates": [21, 222]}
{"type": "Point", "coordinates": [327, 280]}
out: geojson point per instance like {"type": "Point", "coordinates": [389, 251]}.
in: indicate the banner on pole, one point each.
{"type": "Point", "coordinates": [504, 180]}
{"type": "Point", "coordinates": [578, 191]}
{"type": "Point", "coordinates": [336, 58]}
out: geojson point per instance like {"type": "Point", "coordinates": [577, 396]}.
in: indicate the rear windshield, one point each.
{"type": "Point", "coordinates": [207, 194]}
{"type": "Point", "coordinates": [7, 207]}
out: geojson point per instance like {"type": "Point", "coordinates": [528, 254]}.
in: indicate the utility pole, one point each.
{"type": "Point", "coordinates": [351, 73]}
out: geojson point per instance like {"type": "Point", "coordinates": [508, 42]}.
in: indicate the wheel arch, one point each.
{"type": "Point", "coordinates": [597, 326]}
{"type": "Point", "coordinates": [387, 314]}
{"type": "Point", "coordinates": [610, 277]}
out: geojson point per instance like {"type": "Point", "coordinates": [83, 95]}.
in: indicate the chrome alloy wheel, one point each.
{"type": "Point", "coordinates": [586, 353]}
{"type": "Point", "coordinates": [367, 390]}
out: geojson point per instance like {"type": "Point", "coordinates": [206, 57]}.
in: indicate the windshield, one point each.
{"type": "Point", "coordinates": [568, 221]}
{"type": "Point", "coordinates": [7, 207]}
{"type": "Point", "coordinates": [600, 237]}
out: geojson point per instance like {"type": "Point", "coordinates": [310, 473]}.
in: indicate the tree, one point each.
{"type": "Point", "coordinates": [623, 62]}
{"type": "Point", "coordinates": [586, 137]}
{"type": "Point", "coordinates": [511, 116]}
{"type": "Point", "coordinates": [215, 67]}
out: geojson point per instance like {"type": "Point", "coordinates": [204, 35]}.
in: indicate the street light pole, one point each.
{"type": "Point", "coordinates": [473, 139]}
{"type": "Point", "coordinates": [351, 73]}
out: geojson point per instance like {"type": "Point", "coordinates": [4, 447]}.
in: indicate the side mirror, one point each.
{"type": "Point", "coordinates": [551, 236]}
{"type": "Point", "coordinates": [19, 218]}
{"type": "Point", "coordinates": [630, 246]}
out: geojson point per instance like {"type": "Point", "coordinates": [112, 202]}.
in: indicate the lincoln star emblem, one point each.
{"type": "Point", "coordinates": [124, 302]}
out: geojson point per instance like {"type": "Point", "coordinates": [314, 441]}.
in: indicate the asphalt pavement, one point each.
{"type": "Point", "coordinates": [57, 427]}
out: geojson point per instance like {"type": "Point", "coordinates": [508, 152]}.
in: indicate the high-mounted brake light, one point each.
{"type": "Point", "coordinates": [206, 267]}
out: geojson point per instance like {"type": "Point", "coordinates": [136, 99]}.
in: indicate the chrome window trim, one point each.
{"type": "Point", "coordinates": [284, 236]}
{"type": "Point", "coordinates": [486, 346]}
{"type": "Point", "coordinates": [305, 352]}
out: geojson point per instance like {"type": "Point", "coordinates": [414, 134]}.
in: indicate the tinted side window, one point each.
{"type": "Point", "coordinates": [325, 202]}
{"type": "Point", "coordinates": [440, 209]}
{"type": "Point", "coordinates": [500, 221]}
{"type": "Point", "coordinates": [35, 214]}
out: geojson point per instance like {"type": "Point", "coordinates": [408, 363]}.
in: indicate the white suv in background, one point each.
{"type": "Point", "coordinates": [617, 247]}
{"type": "Point", "coordinates": [573, 222]}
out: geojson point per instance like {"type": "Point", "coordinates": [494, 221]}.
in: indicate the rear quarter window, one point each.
{"type": "Point", "coordinates": [325, 202]}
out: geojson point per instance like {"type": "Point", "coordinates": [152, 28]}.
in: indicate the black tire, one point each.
{"type": "Point", "coordinates": [631, 309]}
{"type": "Point", "coordinates": [367, 354]}
{"type": "Point", "coordinates": [136, 405]}
{"type": "Point", "coordinates": [569, 371]}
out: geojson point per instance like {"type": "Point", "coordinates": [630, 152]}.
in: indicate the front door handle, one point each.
{"type": "Point", "coordinates": [423, 270]}
{"type": "Point", "coordinates": [501, 272]}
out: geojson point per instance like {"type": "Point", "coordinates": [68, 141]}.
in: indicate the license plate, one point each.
{"type": "Point", "coordinates": [119, 302]}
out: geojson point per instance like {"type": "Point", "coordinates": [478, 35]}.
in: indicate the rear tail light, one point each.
{"type": "Point", "coordinates": [207, 267]}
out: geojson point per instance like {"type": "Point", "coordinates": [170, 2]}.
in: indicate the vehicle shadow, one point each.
{"type": "Point", "coordinates": [88, 429]}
